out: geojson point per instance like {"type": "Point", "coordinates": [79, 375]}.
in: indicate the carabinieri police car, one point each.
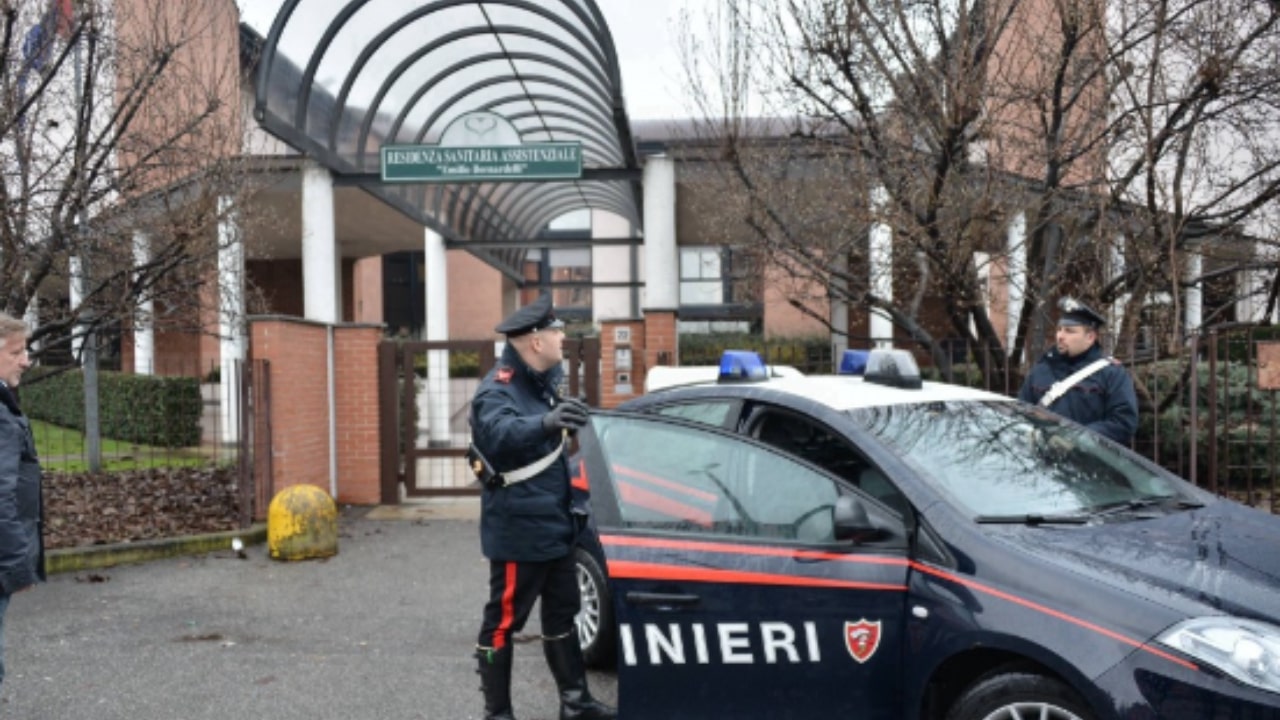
{"type": "Point", "coordinates": [880, 547]}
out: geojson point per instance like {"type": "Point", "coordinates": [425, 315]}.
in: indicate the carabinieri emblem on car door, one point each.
{"type": "Point", "coordinates": [862, 638]}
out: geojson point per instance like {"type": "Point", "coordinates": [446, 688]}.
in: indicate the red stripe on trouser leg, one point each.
{"type": "Point", "coordinates": [508, 608]}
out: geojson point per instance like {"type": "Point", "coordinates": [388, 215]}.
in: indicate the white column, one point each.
{"type": "Point", "coordinates": [1016, 273]}
{"type": "Point", "coordinates": [320, 265]}
{"type": "Point", "coordinates": [32, 316]}
{"type": "Point", "coordinates": [232, 343]}
{"type": "Point", "coordinates": [437, 302]}
{"type": "Point", "coordinates": [1116, 321]}
{"type": "Point", "coordinates": [839, 309]}
{"type": "Point", "coordinates": [75, 291]}
{"type": "Point", "coordinates": [1253, 286]}
{"type": "Point", "coordinates": [661, 266]}
{"type": "Point", "coordinates": [144, 334]}
{"type": "Point", "coordinates": [1193, 303]}
{"type": "Point", "coordinates": [881, 268]}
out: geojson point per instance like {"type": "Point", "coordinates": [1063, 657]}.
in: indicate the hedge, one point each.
{"type": "Point", "coordinates": [144, 409]}
{"type": "Point", "coordinates": [1244, 415]}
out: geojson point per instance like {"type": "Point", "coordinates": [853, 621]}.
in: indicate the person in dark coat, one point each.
{"type": "Point", "coordinates": [21, 541]}
{"type": "Point", "coordinates": [1104, 401]}
{"type": "Point", "coordinates": [520, 426]}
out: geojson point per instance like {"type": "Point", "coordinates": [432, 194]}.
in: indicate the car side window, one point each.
{"type": "Point", "coordinates": [798, 436]}
{"type": "Point", "coordinates": [681, 477]}
{"type": "Point", "coordinates": [715, 413]}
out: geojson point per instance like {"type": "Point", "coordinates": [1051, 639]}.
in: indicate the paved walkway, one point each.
{"type": "Point", "coordinates": [383, 630]}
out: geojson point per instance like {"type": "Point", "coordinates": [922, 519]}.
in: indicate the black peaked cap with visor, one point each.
{"type": "Point", "coordinates": [537, 315]}
{"type": "Point", "coordinates": [1076, 313]}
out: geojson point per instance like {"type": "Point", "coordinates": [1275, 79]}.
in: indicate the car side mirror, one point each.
{"type": "Point", "coordinates": [852, 521]}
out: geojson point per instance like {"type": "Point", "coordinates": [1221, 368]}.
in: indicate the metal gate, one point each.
{"type": "Point", "coordinates": [253, 428]}
{"type": "Point", "coordinates": [425, 391]}
{"type": "Point", "coordinates": [1211, 414]}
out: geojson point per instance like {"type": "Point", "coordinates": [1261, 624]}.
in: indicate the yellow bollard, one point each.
{"type": "Point", "coordinates": [302, 523]}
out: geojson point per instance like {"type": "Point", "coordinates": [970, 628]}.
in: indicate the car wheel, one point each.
{"type": "Point", "coordinates": [596, 631]}
{"type": "Point", "coordinates": [1018, 696]}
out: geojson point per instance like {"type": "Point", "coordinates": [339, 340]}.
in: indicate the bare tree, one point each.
{"type": "Point", "coordinates": [120, 121]}
{"type": "Point", "coordinates": [945, 120]}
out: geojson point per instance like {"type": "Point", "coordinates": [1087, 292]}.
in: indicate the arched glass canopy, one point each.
{"type": "Point", "coordinates": [338, 79]}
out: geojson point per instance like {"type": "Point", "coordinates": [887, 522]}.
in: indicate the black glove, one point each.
{"type": "Point", "coordinates": [569, 415]}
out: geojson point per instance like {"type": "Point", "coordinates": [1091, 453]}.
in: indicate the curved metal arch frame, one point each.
{"type": "Point", "coordinates": [518, 211]}
{"type": "Point", "coordinates": [591, 110]}
{"type": "Point", "coordinates": [412, 104]}
{"type": "Point", "coordinates": [554, 211]}
{"type": "Point", "coordinates": [422, 52]}
{"type": "Point", "coordinates": [496, 200]}
{"type": "Point", "coordinates": [529, 205]}
{"type": "Point", "coordinates": [520, 80]}
{"type": "Point", "coordinates": [349, 11]}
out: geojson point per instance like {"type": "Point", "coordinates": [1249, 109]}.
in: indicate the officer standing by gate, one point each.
{"type": "Point", "coordinates": [520, 427]}
{"type": "Point", "coordinates": [1075, 380]}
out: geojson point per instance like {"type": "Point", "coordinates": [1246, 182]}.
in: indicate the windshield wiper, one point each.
{"type": "Point", "coordinates": [1032, 519]}
{"type": "Point", "coordinates": [1144, 502]}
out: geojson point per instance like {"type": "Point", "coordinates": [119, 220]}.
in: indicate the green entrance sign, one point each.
{"type": "Point", "coordinates": [479, 147]}
{"type": "Point", "coordinates": [432, 163]}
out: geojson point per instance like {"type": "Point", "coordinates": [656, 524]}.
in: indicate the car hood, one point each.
{"type": "Point", "coordinates": [1222, 558]}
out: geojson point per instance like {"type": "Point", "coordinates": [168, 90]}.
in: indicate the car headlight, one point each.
{"type": "Point", "coordinates": [1247, 650]}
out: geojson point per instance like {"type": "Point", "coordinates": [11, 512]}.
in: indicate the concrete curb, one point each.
{"type": "Point", "coordinates": [104, 556]}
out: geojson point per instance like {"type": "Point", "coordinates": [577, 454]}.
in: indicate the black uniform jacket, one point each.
{"type": "Point", "coordinates": [21, 542]}
{"type": "Point", "coordinates": [528, 521]}
{"type": "Point", "coordinates": [1104, 402]}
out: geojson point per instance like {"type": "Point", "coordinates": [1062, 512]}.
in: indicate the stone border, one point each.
{"type": "Point", "coordinates": [92, 557]}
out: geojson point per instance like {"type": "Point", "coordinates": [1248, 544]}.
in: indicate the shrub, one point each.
{"type": "Point", "coordinates": [1242, 419]}
{"type": "Point", "coordinates": [462, 363]}
{"type": "Point", "coordinates": [144, 409]}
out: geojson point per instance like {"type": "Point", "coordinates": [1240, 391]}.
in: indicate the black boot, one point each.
{"type": "Point", "coordinates": [495, 682]}
{"type": "Point", "coordinates": [564, 655]}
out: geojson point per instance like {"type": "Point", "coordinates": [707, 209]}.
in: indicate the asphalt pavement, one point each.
{"type": "Point", "coordinates": [382, 630]}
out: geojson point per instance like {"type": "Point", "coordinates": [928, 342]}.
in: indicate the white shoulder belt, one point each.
{"type": "Point", "coordinates": [1061, 387]}
{"type": "Point", "coordinates": [512, 477]}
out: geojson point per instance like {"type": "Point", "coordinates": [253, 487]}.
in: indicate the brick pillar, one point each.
{"type": "Point", "coordinates": [629, 336]}
{"type": "Point", "coordinates": [298, 351]}
{"type": "Point", "coordinates": [355, 366]}
{"type": "Point", "coordinates": [660, 343]}
{"type": "Point", "coordinates": [299, 403]}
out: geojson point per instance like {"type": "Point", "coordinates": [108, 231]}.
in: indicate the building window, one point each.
{"type": "Point", "coordinates": [565, 273]}
{"type": "Point", "coordinates": [715, 291]}
{"type": "Point", "coordinates": [702, 276]}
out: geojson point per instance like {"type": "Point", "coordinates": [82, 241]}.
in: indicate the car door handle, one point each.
{"type": "Point", "coordinates": [662, 600]}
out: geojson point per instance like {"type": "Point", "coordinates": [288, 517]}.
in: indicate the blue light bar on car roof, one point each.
{"type": "Point", "coordinates": [742, 366]}
{"type": "Point", "coordinates": [853, 362]}
{"type": "Point", "coordinates": [895, 368]}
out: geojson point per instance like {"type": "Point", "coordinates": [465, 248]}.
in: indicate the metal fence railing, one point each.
{"type": "Point", "coordinates": [181, 453]}
{"type": "Point", "coordinates": [185, 421]}
{"type": "Point", "coordinates": [1208, 409]}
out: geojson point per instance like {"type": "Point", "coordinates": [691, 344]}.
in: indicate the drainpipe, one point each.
{"type": "Point", "coordinates": [333, 419]}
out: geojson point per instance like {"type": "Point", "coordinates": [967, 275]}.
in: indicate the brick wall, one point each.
{"type": "Point", "coordinates": [609, 395]}
{"type": "Point", "coordinates": [660, 341]}
{"type": "Point", "coordinates": [299, 400]}
{"type": "Point", "coordinates": [355, 363]}
{"type": "Point", "coordinates": [475, 297]}
{"type": "Point", "coordinates": [652, 341]}
{"type": "Point", "coordinates": [298, 352]}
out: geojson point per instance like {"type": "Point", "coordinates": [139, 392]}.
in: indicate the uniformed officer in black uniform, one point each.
{"type": "Point", "coordinates": [519, 427]}
{"type": "Point", "coordinates": [1104, 401]}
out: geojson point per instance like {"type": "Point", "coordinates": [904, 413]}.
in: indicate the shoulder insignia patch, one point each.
{"type": "Point", "coordinates": [504, 375]}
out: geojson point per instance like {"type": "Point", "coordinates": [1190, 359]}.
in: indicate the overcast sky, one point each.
{"type": "Point", "coordinates": [643, 32]}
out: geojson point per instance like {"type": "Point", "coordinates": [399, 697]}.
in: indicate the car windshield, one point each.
{"type": "Point", "coordinates": [1008, 460]}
